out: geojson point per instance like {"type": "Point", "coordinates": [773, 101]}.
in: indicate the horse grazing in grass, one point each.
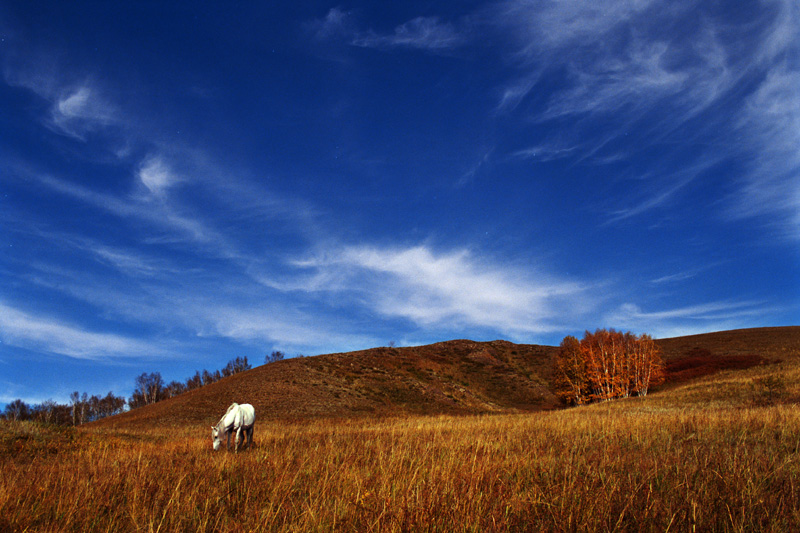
{"type": "Point", "coordinates": [238, 418]}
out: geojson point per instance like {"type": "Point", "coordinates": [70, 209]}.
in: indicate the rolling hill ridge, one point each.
{"type": "Point", "coordinates": [452, 377]}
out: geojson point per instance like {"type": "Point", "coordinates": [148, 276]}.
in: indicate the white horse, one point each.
{"type": "Point", "coordinates": [237, 418]}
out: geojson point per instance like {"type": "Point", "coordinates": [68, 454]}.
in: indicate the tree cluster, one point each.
{"type": "Point", "coordinates": [148, 388]}
{"type": "Point", "coordinates": [274, 357]}
{"type": "Point", "coordinates": [235, 366]}
{"type": "Point", "coordinates": [151, 388]}
{"type": "Point", "coordinates": [82, 408]}
{"type": "Point", "coordinates": [605, 365]}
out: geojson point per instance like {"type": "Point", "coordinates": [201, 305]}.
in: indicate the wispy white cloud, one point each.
{"type": "Point", "coordinates": [421, 33]}
{"type": "Point", "coordinates": [280, 326]}
{"type": "Point", "coordinates": [25, 330]}
{"type": "Point", "coordinates": [176, 295]}
{"type": "Point", "coordinates": [663, 66]}
{"type": "Point", "coordinates": [683, 274]}
{"type": "Point", "coordinates": [673, 278]}
{"type": "Point", "coordinates": [662, 189]}
{"type": "Point", "coordinates": [616, 58]}
{"type": "Point", "coordinates": [615, 84]}
{"type": "Point", "coordinates": [132, 263]}
{"type": "Point", "coordinates": [81, 110]}
{"type": "Point", "coordinates": [781, 34]}
{"type": "Point", "coordinates": [234, 308]}
{"type": "Point", "coordinates": [558, 24]}
{"type": "Point", "coordinates": [75, 105]}
{"type": "Point", "coordinates": [440, 289]}
{"type": "Point", "coordinates": [483, 160]}
{"type": "Point", "coordinates": [544, 34]}
{"type": "Point", "coordinates": [770, 124]}
{"type": "Point", "coordinates": [77, 108]}
{"type": "Point", "coordinates": [157, 175]}
{"type": "Point", "coordinates": [336, 24]}
{"type": "Point", "coordinates": [174, 224]}
{"type": "Point", "coordinates": [135, 263]}
{"type": "Point", "coordinates": [120, 133]}
{"type": "Point", "coordinates": [547, 151]}
{"type": "Point", "coordinates": [701, 318]}
{"type": "Point", "coordinates": [514, 92]}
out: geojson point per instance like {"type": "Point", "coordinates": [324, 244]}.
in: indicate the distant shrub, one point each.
{"type": "Point", "coordinates": [769, 390]}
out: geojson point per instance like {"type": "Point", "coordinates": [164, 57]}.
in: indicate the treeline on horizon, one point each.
{"type": "Point", "coordinates": [149, 388]}
{"type": "Point", "coordinates": [604, 365]}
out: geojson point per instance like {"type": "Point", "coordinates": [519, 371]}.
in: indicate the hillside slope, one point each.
{"type": "Point", "coordinates": [453, 377]}
{"type": "Point", "coordinates": [771, 343]}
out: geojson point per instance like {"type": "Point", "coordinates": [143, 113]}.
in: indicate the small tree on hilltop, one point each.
{"type": "Point", "coordinates": [274, 357]}
{"type": "Point", "coordinates": [235, 366]}
{"type": "Point", "coordinates": [17, 410]}
{"type": "Point", "coordinates": [149, 389]}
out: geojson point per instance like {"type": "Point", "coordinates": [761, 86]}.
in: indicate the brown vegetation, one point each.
{"type": "Point", "coordinates": [606, 365]}
{"type": "Point", "coordinates": [623, 466]}
{"type": "Point", "coordinates": [454, 377]}
{"type": "Point", "coordinates": [720, 452]}
{"type": "Point", "coordinates": [771, 343]}
{"type": "Point", "coordinates": [703, 363]}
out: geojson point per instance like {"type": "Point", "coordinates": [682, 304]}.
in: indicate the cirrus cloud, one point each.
{"type": "Point", "coordinates": [440, 289]}
{"type": "Point", "coordinates": [25, 330]}
{"type": "Point", "coordinates": [157, 175]}
{"type": "Point", "coordinates": [420, 33]}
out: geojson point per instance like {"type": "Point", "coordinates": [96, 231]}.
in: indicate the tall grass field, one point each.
{"type": "Point", "coordinates": [716, 450]}
{"type": "Point", "coordinates": [631, 465]}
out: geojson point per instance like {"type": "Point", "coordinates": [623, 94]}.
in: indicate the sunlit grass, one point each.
{"type": "Point", "coordinates": [634, 465]}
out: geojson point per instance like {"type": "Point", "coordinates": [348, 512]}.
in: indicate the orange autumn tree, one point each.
{"type": "Point", "coordinates": [570, 375]}
{"type": "Point", "coordinates": [605, 365]}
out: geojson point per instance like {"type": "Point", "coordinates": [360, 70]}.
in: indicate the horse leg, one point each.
{"type": "Point", "coordinates": [252, 429]}
{"type": "Point", "coordinates": [236, 443]}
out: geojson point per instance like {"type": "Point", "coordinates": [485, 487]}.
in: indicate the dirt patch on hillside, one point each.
{"type": "Point", "coordinates": [700, 362]}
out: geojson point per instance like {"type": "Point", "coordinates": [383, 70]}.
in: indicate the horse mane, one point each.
{"type": "Point", "coordinates": [234, 405]}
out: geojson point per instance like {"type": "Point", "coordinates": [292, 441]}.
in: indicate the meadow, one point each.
{"type": "Point", "coordinates": [630, 465]}
{"type": "Point", "coordinates": [716, 450]}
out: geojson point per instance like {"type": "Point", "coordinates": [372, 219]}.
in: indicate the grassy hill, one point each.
{"type": "Point", "coordinates": [772, 343]}
{"type": "Point", "coordinates": [708, 451]}
{"type": "Point", "coordinates": [453, 377]}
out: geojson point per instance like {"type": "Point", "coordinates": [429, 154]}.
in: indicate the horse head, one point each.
{"type": "Point", "coordinates": [215, 437]}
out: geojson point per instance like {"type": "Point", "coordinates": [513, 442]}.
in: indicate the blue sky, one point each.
{"type": "Point", "coordinates": [185, 183]}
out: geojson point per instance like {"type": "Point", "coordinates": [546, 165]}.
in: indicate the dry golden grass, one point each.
{"type": "Point", "coordinates": [718, 453]}
{"type": "Point", "coordinates": [632, 465]}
